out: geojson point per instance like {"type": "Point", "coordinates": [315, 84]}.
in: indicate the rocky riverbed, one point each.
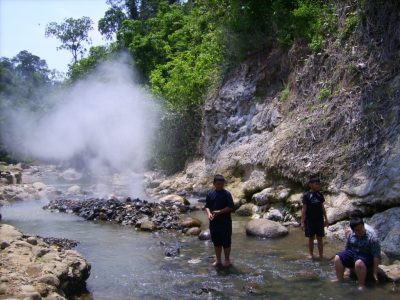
{"type": "Point", "coordinates": [39, 268]}
{"type": "Point", "coordinates": [144, 215]}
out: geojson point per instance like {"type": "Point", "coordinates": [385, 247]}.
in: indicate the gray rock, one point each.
{"type": "Point", "coordinates": [195, 231]}
{"type": "Point", "coordinates": [32, 240]}
{"type": "Point", "coordinates": [274, 215]}
{"type": "Point", "coordinates": [4, 245]}
{"type": "Point", "coordinates": [205, 235]}
{"type": "Point", "coordinates": [190, 222]}
{"type": "Point", "coordinates": [49, 279]}
{"type": "Point", "coordinates": [246, 210]}
{"type": "Point", "coordinates": [387, 226]}
{"type": "Point", "coordinates": [271, 195]}
{"type": "Point", "coordinates": [265, 228]}
{"type": "Point", "coordinates": [147, 226]}
{"type": "Point", "coordinates": [73, 190]}
{"type": "Point", "coordinates": [391, 272]}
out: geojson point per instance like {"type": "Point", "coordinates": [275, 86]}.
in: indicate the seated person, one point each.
{"type": "Point", "coordinates": [362, 253]}
{"type": "Point", "coordinates": [358, 214]}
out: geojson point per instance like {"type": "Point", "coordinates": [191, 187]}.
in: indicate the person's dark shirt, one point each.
{"type": "Point", "coordinates": [314, 201]}
{"type": "Point", "coordinates": [217, 200]}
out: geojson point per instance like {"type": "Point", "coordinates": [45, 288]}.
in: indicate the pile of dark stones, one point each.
{"type": "Point", "coordinates": [147, 216]}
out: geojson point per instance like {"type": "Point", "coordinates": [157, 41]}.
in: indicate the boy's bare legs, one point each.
{"type": "Point", "coordinates": [361, 272]}
{"type": "Point", "coordinates": [320, 247]}
{"type": "Point", "coordinates": [339, 268]}
{"type": "Point", "coordinates": [311, 246]}
{"type": "Point", "coordinates": [218, 252]}
{"type": "Point", "coordinates": [227, 253]}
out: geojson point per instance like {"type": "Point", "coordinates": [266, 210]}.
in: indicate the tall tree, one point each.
{"type": "Point", "coordinates": [72, 33]}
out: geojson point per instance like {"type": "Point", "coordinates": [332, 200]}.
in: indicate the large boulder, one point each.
{"type": "Point", "coordinates": [147, 225]}
{"type": "Point", "coordinates": [265, 228]}
{"type": "Point", "coordinates": [246, 210]}
{"type": "Point", "coordinates": [194, 231]}
{"type": "Point", "coordinates": [271, 195]}
{"type": "Point", "coordinates": [387, 225]}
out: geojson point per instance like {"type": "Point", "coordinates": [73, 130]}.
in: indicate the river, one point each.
{"type": "Point", "coordinates": [128, 264]}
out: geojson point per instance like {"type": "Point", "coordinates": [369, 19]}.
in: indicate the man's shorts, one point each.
{"type": "Point", "coordinates": [221, 236]}
{"type": "Point", "coordinates": [349, 258]}
{"type": "Point", "coordinates": [313, 228]}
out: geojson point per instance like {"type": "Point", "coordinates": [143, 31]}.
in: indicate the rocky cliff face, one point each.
{"type": "Point", "coordinates": [285, 114]}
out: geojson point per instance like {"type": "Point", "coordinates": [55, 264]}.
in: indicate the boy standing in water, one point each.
{"type": "Point", "coordinates": [219, 205]}
{"type": "Point", "coordinates": [312, 216]}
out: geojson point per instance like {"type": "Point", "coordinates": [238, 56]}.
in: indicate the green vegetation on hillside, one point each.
{"type": "Point", "coordinates": [181, 50]}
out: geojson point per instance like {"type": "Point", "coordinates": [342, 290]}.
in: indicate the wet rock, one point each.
{"type": "Point", "coordinates": [147, 226]}
{"type": "Point", "coordinates": [66, 244]}
{"type": "Point", "coordinates": [70, 175]}
{"type": "Point", "coordinates": [265, 228]}
{"type": "Point", "coordinates": [195, 231]}
{"type": "Point", "coordinates": [190, 222]}
{"type": "Point", "coordinates": [73, 190]}
{"type": "Point", "coordinates": [174, 199]}
{"type": "Point", "coordinates": [391, 272]}
{"type": "Point", "coordinates": [246, 210]}
{"type": "Point", "coordinates": [131, 212]}
{"type": "Point", "coordinates": [32, 240]}
{"type": "Point", "coordinates": [387, 226]}
{"type": "Point", "coordinates": [39, 186]}
{"type": "Point", "coordinates": [274, 215]}
{"type": "Point", "coordinates": [205, 235]}
{"type": "Point", "coordinates": [4, 245]}
{"type": "Point", "coordinates": [172, 251]}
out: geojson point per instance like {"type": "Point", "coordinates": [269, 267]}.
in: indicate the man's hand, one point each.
{"type": "Point", "coordinates": [216, 213]}
{"type": "Point", "coordinates": [210, 216]}
{"type": "Point", "coordinates": [375, 275]}
{"type": "Point", "coordinates": [326, 223]}
{"type": "Point", "coordinates": [302, 226]}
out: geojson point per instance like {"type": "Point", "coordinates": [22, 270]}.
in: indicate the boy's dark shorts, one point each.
{"type": "Point", "coordinates": [349, 258]}
{"type": "Point", "coordinates": [314, 229]}
{"type": "Point", "coordinates": [221, 237]}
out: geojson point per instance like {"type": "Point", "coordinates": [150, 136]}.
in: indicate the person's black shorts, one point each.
{"type": "Point", "coordinates": [314, 228]}
{"type": "Point", "coordinates": [221, 236]}
{"type": "Point", "coordinates": [349, 258]}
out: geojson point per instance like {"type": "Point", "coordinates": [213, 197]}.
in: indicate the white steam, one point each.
{"type": "Point", "coordinates": [106, 121]}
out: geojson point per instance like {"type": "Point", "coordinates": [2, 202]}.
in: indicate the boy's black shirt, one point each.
{"type": "Point", "coordinates": [217, 200]}
{"type": "Point", "coordinates": [314, 201]}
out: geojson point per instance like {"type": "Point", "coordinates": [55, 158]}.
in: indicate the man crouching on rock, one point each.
{"type": "Point", "coordinates": [362, 254]}
{"type": "Point", "coordinates": [219, 205]}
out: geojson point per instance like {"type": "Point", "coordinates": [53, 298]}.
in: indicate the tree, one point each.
{"type": "Point", "coordinates": [31, 67]}
{"type": "Point", "coordinates": [72, 34]}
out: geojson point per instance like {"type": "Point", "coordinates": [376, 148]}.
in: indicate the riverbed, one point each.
{"type": "Point", "coordinates": [127, 264]}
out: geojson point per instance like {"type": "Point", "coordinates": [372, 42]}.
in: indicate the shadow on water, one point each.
{"type": "Point", "coordinates": [127, 264]}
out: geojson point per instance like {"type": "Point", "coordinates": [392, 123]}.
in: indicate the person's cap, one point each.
{"type": "Point", "coordinates": [314, 179]}
{"type": "Point", "coordinates": [219, 178]}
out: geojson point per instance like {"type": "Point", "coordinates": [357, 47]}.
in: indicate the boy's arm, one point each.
{"type": "Point", "coordinates": [376, 252]}
{"type": "Point", "coordinates": [207, 208]}
{"type": "Point", "coordinates": [325, 215]}
{"type": "Point", "coordinates": [303, 215]}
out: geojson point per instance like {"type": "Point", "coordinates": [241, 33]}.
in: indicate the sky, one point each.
{"type": "Point", "coordinates": [23, 24]}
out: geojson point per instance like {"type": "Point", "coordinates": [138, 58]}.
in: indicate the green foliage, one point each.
{"type": "Point", "coordinates": [324, 93]}
{"type": "Point", "coordinates": [72, 34]}
{"type": "Point", "coordinates": [351, 22]}
{"type": "Point", "coordinates": [85, 65]}
{"type": "Point", "coordinates": [111, 22]}
{"type": "Point", "coordinates": [284, 94]}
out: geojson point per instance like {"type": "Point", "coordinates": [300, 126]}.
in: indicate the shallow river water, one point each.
{"type": "Point", "coordinates": [127, 264]}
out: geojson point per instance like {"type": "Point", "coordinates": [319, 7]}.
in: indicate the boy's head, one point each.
{"type": "Point", "coordinates": [314, 183]}
{"type": "Point", "coordinates": [356, 214]}
{"type": "Point", "coordinates": [357, 226]}
{"type": "Point", "coordinates": [219, 182]}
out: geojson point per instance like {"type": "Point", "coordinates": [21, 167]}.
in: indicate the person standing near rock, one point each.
{"type": "Point", "coordinates": [219, 205]}
{"type": "Point", "coordinates": [313, 214]}
{"type": "Point", "coordinates": [362, 253]}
